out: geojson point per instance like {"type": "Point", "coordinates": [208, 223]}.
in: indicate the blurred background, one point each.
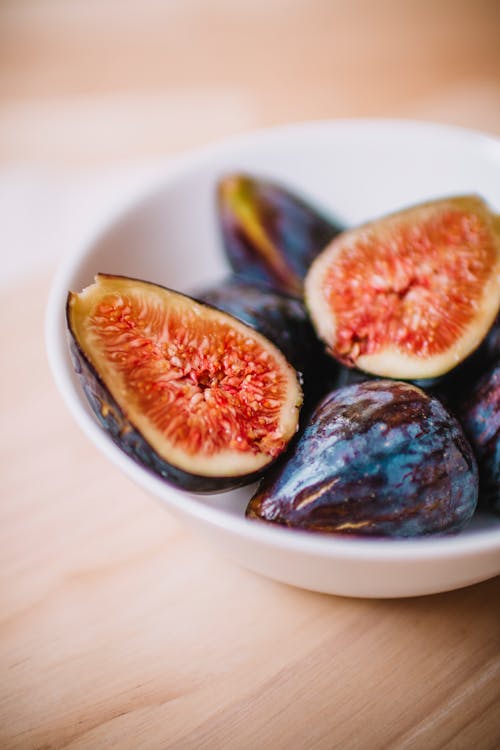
{"type": "Point", "coordinates": [95, 95]}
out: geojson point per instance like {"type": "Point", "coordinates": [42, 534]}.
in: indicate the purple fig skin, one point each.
{"type": "Point", "coordinates": [270, 234]}
{"type": "Point", "coordinates": [480, 416]}
{"type": "Point", "coordinates": [379, 458]}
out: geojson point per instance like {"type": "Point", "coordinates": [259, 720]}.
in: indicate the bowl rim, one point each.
{"type": "Point", "coordinates": [444, 547]}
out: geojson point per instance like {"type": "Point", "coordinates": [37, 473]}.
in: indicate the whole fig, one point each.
{"type": "Point", "coordinates": [379, 458]}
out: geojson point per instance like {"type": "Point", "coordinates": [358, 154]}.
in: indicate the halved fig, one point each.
{"type": "Point", "coordinates": [380, 458]}
{"type": "Point", "coordinates": [270, 234]}
{"type": "Point", "coordinates": [411, 295]}
{"type": "Point", "coordinates": [186, 390]}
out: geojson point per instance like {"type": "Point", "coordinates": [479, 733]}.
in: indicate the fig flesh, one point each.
{"type": "Point", "coordinates": [279, 317]}
{"type": "Point", "coordinates": [270, 234]}
{"type": "Point", "coordinates": [411, 295]}
{"type": "Point", "coordinates": [188, 391]}
{"type": "Point", "coordinates": [282, 319]}
{"type": "Point", "coordinates": [380, 458]}
{"type": "Point", "coordinates": [480, 417]}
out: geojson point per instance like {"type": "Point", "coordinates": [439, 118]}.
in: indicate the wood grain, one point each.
{"type": "Point", "coordinates": [118, 628]}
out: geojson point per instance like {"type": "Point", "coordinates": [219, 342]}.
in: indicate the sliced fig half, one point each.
{"type": "Point", "coordinates": [411, 295]}
{"type": "Point", "coordinates": [270, 234]}
{"type": "Point", "coordinates": [188, 391]}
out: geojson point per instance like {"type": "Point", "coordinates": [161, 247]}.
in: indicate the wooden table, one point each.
{"type": "Point", "coordinates": [118, 628]}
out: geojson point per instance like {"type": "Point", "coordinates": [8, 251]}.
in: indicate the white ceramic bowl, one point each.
{"type": "Point", "coordinates": [357, 169]}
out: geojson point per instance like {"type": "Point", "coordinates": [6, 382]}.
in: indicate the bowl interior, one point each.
{"type": "Point", "coordinates": [353, 170]}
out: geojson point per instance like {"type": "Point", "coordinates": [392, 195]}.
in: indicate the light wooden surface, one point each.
{"type": "Point", "coordinates": [117, 627]}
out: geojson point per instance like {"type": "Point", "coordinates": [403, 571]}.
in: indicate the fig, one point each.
{"type": "Point", "coordinates": [270, 234]}
{"type": "Point", "coordinates": [284, 321]}
{"type": "Point", "coordinates": [480, 417]}
{"type": "Point", "coordinates": [379, 458]}
{"type": "Point", "coordinates": [186, 390]}
{"type": "Point", "coordinates": [411, 295]}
